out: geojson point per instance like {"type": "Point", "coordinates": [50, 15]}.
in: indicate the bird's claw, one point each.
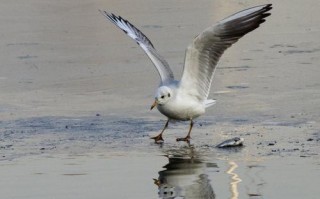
{"type": "Point", "coordinates": [185, 139]}
{"type": "Point", "coordinates": [158, 139]}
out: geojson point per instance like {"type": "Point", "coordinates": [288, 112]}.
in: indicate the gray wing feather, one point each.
{"type": "Point", "coordinates": [160, 63]}
{"type": "Point", "coordinates": [203, 54]}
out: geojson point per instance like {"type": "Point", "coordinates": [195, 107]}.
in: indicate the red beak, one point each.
{"type": "Point", "coordinates": [154, 104]}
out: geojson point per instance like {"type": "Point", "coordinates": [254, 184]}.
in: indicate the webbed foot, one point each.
{"type": "Point", "coordinates": [185, 139]}
{"type": "Point", "coordinates": [158, 139]}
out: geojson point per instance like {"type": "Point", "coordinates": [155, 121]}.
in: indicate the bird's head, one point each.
{"type": "Point", "coordinates": [163, 95]}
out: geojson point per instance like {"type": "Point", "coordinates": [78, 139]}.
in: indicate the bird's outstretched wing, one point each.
{"type": "Point", "coordinates": [161, 64]}
{"type": "Point", "coordinates": [203, 54]}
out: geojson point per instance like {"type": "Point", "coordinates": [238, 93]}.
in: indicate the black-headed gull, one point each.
{"type": "Point", "coordinates": [187, 99]}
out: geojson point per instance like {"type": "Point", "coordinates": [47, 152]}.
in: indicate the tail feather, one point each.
{"type": "Point", "coordinates": [209, 103]}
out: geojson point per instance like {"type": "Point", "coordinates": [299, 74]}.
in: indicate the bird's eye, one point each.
{"type": "Point", "coordinates": [162, 96]}
{"type": "Point", "coordinates": [169, 95]}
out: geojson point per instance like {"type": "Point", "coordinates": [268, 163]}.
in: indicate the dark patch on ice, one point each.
{"type": "Point", "coordinates": [42, 134]}
{"type": "Point", "coordinates": [300, 51]}
{"type": "Point", "coordinates": [74, 174]}
{"type": "Point", "coordinates": [234, 67]}
{"type": "Point", "coordinates": [294, 123]}
{"type": "Point", "coordinates": [237, 87]}
{"type": "Point", "coordinates": [152, 26]}
{"type": "Point", "coordinates": [257, 50]}
{"type": "Point", "coordinates": [240, 121]}
{"type": "Point", "coordinates": [282, 45]}
{"type": "Point", "coordinates": [103, 125]}
{"type": "Point", "coordinates": [23, 44]}
{"type": "Point", "coordinates": [26, 57]}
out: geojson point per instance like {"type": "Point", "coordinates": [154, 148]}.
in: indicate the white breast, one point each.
{"type": "Point", "coordinates": [182, 108]}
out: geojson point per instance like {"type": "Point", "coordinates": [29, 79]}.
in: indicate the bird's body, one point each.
{"type": "Point", "coordinates": [182, 106]}
{"type": "Point", "coordinates": [187, 99]}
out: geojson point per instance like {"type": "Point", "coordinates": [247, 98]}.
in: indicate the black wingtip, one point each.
{"type": "Point", "coordinates": [118, 19]}
{"type": "Point", "coordinates": [104, 13]}
{"type": "Point", "coordinates": [108, 15]}
{"type": "Point", "coordinates": [267, 7]}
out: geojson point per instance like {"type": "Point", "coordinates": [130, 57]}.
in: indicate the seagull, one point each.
{"type": "Point", "coordinates": [186, 99]}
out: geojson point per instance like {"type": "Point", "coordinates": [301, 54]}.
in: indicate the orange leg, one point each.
{"type": "Point", "coordinates": [187, 138]}
{"type": "Point", "coordinates": [159, 138]}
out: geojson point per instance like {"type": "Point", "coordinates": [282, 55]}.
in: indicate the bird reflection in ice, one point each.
{"type": "Point", "coordinates": [184, 177]}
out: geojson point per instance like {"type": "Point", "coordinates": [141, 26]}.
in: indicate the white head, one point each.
{"type": "Point", "coordinates": [163, 95]}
